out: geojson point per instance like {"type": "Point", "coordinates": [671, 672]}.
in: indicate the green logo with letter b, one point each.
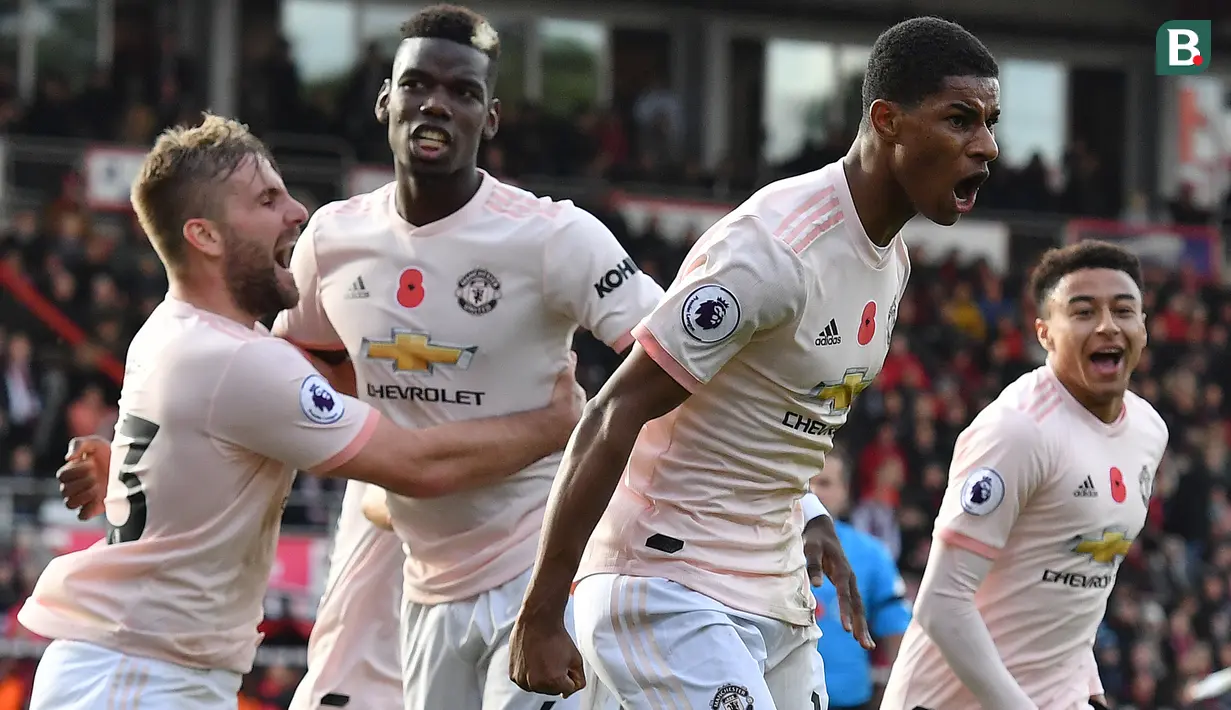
{"type": "Point", "coordinates": [1182, 47]}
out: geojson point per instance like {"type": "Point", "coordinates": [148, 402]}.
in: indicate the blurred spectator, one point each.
{"type": "Point", "coordinates": [90, 414]}
{"type": "Point", "coordinates": [23, 403]}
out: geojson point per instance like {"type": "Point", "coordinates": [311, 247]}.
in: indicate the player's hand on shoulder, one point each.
{"type": "Point", "coordinates": [825, 555]}
{"type": "Point", "coordinates": [83, 477]}
{"type": "Point", "coordinates": [568, 399]}
{"type": "Point", "coordinates": [543, 658]}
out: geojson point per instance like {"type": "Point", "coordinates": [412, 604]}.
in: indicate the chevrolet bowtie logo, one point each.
{"type": "Point", "coordinates": [415, 352]}
{"type": "Point", "coordinates": [842, 393]}
{"type": "Point", "coordinates": [1105, 550]}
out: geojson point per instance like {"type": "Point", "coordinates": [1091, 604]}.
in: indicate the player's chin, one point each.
{"type": "Point", "coordinates": [437, 163]}
{"type": "Point", "coordinates": [944, 213]}
{"type": "Point", "coordinates": [288, 292]}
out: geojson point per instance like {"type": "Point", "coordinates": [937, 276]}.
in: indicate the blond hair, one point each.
{"type": "Point", "coordinates": [180, 176]}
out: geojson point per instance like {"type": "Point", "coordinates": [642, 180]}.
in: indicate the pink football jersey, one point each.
{"type": "Point", "coordinates": [470, 316]}
{"type": "Point", "coordinates": [779, 318]}
{"type": "Point", "coordinates": [214, 419]}
{"type": "Point", "coordinates": [364, 588]}
{"type": "Point", "coordinates": [1055, 497]}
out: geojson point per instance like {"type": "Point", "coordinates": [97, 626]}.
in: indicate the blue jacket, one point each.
{"type": "Point", "coordinates": [848, 667]}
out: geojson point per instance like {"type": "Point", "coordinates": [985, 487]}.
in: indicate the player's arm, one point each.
{"type": "Point", "coordinates": [341, 373]}
{"type": "Point", "coordinates": [375, 507]}
{"type": "Point", "coordinates": [826, 558]}
{"type": "Point", "coordinates": [306, 324]}
{"type": "Point", "coordinates": [271, 401]}
{"type": "Point", "coordinates": [997, 466]}
{"type": "Point", "coordinates": [83, 477]}
{"type": "Point", "coordinates": [759, 283]}
{"type": "Point", "coordinates": [591, 278]}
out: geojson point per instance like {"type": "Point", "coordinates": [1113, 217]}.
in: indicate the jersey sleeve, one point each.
{"type": "Point", "coordinates": [998, 463]}
{"type": "Point", "coordinates": [743, 282]}
{"type": "Point", "coordinates": [272, 402]}
{"type": "Point", "coordinates": [888, 610]}
{"type": "Point", "coordinates": [590, 278]}
{"type": "Point", "coordinates": [306, 324]}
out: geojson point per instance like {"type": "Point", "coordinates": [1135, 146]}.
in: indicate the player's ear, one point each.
{"type": "Point", "coordinates": [1043, 333]}
{"type": "Point", "coordinates": [382, 102]}
{"type": "Point", "coordinates": [885, 118]}
{"type": "Point", "coordinates": [201, 235]}
{"type": "Point", "coordinates": [492, 124]}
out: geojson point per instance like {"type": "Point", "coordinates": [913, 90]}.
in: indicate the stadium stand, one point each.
{"type": "Point", "coordinates": [77, 283]}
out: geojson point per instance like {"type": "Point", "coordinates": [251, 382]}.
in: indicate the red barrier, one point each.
{"type": "Point", "coordinates": [29, 296]}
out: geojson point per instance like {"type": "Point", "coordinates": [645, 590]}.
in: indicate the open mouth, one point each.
{"type": "Point", "coordinates": [429, 142]}
{"type": "Point", "coordinates": [1107, 361]}
{"type": "Point", "coordinates": [282, 254]}
{"type": "Point", "coordinates": [966, 189]}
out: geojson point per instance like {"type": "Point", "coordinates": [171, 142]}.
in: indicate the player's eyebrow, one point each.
{"type": "Point", "coordinates": [465, 81]}
{"type": "Point", "coordinates": [972, 113]}
{"type": "Point", "coordinates": [413, 73]}
{"type": "Point", "coordinates": [269, 193]}
{"type": "Point", "coordinates": [1090, 299]}
{"type": "Point", "coordinates": [965, 108]}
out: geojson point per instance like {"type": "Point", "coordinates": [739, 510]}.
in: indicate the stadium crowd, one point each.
{"type": "Point", "coordinates": [963, 332]}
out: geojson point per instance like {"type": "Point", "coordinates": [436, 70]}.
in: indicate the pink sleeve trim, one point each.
{"type": "Point", "coordinates": [349, 451]}
{"type": "Point", "coordinates": [968, 543]}
{"type": "Point", "coordinates": [665, 359]}
{"type": "Point", "coordinates": [624, 342]}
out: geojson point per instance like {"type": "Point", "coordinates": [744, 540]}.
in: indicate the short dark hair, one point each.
{"type": "Point", "coordinates": [911, 60]}
{"type": "Point", "coordinates": [180, 178]}
{"type": "Point", "coordinates": [1057, 263]}
{"type": "Point", "coordinates": [457, 24]}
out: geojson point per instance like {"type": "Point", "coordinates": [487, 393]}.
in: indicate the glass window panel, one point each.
{"type": "Point", "coordinates": [572, 56]}
{"type": "Point", "coordinates": [511, 82]}
{"type": "Point", "coordinates": [800, 84]}
{"type": "Point", "coordinates": [67, 36]}
{"type": "Point", "coordinates": [383, 23]}
{"type": "Point", "coordinates": [848, 109]}
{"type": "Point", "coordinates": [322, 37]}
{"type": "Point", "coordinates": [1034, 106]}
{"type": "Point", "coordinates": [10, 33]}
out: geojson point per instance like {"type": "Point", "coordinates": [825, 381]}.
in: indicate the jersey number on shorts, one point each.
{"type": "Point", "coordinates": [140, 433]}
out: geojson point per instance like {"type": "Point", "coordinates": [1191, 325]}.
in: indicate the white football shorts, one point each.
{"type": "Point", "coordinates": [653, 644]}
{"type": "Point", "coordinates": [73, 675]}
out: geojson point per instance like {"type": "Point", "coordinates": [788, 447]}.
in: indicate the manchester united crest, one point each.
{"type": "Point", "coordinates": [1145, 483]}
{"type": "Point", "coordinates": [478, 292]}
{"type": "Point", "coordinates": [732, 697]}
{"type": "Point", "coordinates": [890, 321]}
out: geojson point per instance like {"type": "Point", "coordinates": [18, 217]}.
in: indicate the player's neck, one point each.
{"type": "Point", "coordinates": [422, 200]}
{"type": "Point", "coordinates": [212, 299]}
{"type": "Point", "coordinates": [881, 204]}
{"type": "Point", "coordinates": [1108, 410]}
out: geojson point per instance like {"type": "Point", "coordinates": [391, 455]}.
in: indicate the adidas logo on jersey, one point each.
{"type": "Point", "coordinates": [357, 289]}
{"type": "Point", "coordinates": [829, 336]}
{"type": "Point", "coordinates": [1086, 489]}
